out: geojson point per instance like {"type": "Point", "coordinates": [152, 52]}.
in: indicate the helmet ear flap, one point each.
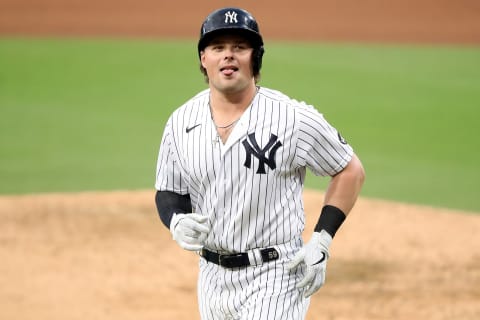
{"type": "Point", "coordinates": [257, 56]}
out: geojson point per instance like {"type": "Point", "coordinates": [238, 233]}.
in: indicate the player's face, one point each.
{"type": "Point", "coordinates": [227, 60]}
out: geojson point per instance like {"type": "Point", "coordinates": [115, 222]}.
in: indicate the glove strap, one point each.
{"type": "Point", "coordinates": [330, 220]}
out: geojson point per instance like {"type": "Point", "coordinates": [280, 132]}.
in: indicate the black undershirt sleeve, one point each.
{"type": "Point", "coordinates": [169, 203]}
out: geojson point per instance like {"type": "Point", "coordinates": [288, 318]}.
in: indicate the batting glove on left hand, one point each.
{"type": "Point", "coordinates": [315, 255]}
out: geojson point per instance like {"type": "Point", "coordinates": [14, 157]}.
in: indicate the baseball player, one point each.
{"type": "Point", "coordinates": [230, 176]}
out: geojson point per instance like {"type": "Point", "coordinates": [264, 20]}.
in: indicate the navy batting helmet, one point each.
{"type": "Point", "coordinates": [228, 20]}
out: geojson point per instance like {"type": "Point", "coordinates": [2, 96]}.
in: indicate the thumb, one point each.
{"type": "Point", "coordinates": [297, 259]}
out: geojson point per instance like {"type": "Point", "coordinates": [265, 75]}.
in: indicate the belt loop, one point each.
{"type": "Point", "coordinates": [255, 257]}
{"type": "Point", "coordinates": [251, 258]}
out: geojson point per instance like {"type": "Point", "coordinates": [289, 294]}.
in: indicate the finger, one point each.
{"type": "Point", "coordinates": [201, 228]}
{"type": "Point", "coordinates": [307, 279]}
{"type": "Point", "coordinates": [194, 231]}
{"type": "Point", "coordinates": [187, 232]}
{"type": "Point", "coordinates": [196, 240]}
{"type": "Point", "coordinates": [317, 283]}
{"type": "Point", "coordinates": [190, 247]}
{"type": "Point", "coordinates": [193, 247]}
{"type": "Point", "coordinates": [195, 226]}
{"type": "Point", "coordinates": [200, 218]}
{"type": "Point", "coordinates": [202, 238]}
{"type": "Point", "coordinates": [191, 240]}
{"type": "Point", "coordinates": [311, 290]}
{"type": "Point", "coordinates": [297, 259]}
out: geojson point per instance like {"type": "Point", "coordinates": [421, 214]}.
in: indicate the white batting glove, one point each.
{"type": "Point", "coordinates": [190, 230]}
{"type": "Point", "coordinates": [315, 255]}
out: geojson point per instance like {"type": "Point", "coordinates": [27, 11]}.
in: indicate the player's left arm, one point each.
{"type": "Point", "coordinates": [340, 197]}
{"type": "Point", "coordinates": [344, 187]}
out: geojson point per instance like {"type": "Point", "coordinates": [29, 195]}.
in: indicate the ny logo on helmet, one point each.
{"type": "Point", "coordinates": [231, 17]}
{"type": "Point", "coordinates": [252, 148]}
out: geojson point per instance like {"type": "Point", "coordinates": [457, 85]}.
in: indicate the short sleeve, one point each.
{"type": "Point", "coordinates": [320, 147]}
{"type": "Point", "coordinates": [170, 175]}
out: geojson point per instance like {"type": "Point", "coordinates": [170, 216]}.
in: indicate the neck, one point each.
{"type": "Point", "coordinates": [226, 109]}
{"type": "Point", "coordinates": [231, 102]}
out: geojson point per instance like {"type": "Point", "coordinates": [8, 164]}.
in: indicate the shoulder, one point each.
{"type": "Point", "coordinates": [189, 110]}
{"type": "Point", "coordinates": [198, 100]}
{"type": "Point", "coordinates": [275, 95]}
{"type": "Point", "coordinates": [296, 106]}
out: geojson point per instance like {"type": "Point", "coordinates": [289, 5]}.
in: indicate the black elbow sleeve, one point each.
{"type": "Point", "coordinates": [169, 203]}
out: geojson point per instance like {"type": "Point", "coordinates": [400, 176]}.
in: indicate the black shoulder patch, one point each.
{"type": "Point", "coordinates": [341, 139]}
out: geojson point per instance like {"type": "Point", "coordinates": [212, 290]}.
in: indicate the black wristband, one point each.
{"type": "Point", "coordinates": [330, 220]}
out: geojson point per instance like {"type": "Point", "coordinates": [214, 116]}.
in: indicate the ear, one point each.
{"type": "Point", "coordinates": [202, 58]}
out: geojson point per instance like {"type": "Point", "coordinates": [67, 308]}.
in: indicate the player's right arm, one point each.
{"type": "Point", "coordinates": [172, 200]}
{"type": "Point", "coordinates": [189, 229]}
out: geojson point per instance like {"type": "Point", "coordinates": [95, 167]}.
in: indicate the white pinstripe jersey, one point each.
{"type": "Point", "coordinates": [251, 186]}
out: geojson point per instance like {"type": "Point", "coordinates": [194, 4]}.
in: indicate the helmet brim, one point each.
{"type": "Point", "coordinates": [254, 38]}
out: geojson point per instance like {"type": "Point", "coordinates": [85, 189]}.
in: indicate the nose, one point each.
{"type": "Point", "coordinates": [229, 52]}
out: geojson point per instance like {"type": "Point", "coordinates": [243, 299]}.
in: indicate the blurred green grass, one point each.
{"type": "Point", "coordinates": [88, 114]}
{"type": "Point", "coordinates": [410, 112]}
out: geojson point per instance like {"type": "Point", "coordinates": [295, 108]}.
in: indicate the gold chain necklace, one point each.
{"type": "Point", "coordinates": [227, 126]}
{"type": "Point", "coordinates": [217, 136]}
{"type": "Point", "coordinates": [231, 124]}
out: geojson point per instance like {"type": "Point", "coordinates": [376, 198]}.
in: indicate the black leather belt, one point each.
{"type": "Point", "coordinates": [239, 260]}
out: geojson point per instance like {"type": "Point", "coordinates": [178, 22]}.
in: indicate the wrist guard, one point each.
{"type": "Point", "coordinates": [330, 220]}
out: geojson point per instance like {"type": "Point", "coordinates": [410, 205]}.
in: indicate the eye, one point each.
{"type": "Point", "coordinates": [217, 47]}
{"type": "Point", "coordinates": [240, 46]}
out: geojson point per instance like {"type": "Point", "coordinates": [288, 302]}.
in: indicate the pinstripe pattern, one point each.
{"type": "Point", "coordinates": [247, 208]}
{"type": "Point", "coordinates": [265, 292]}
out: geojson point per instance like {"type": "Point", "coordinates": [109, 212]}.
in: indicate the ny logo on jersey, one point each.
{"type": "Point", "coordinates": [230, 17]}
{"type": "Point", "coordinates": [252, 148]}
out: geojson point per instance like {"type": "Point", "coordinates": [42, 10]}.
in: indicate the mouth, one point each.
{"type": "Point", "coordinates": [228, 70]}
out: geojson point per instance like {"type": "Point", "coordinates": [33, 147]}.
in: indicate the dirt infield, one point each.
{"type": "Point", "coordinates": [107, 256]}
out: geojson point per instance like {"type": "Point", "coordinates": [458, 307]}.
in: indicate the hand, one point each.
{"type": "Point", "coordinates": [315, 255]}
{"type": "Point", "coordinates": [190, 230]}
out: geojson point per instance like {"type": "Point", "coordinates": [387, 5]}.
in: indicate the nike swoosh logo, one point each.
{"type": "Point", "coordinates": [187, 130]}
{"type": "Point", "coordinates": [324, 256]}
